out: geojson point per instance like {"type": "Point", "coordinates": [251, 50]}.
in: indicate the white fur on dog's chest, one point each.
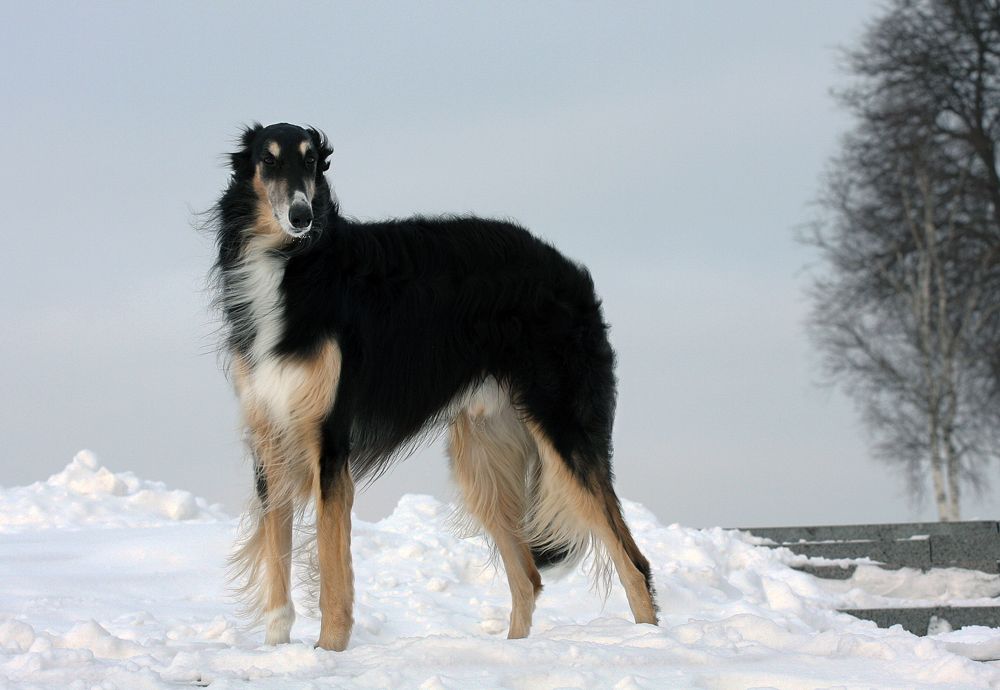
{"type": "Point", "coordinates": [276, 384]}
{"type": "Point", "coordinates": [259, 289]}
{"type": "Point", "coordinates": [290, 389]}
{"type": "Point", "coordinates": [290, 392]}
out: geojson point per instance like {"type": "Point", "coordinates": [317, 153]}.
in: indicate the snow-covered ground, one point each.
{"type": "Point", "coordinates": [110, 581]}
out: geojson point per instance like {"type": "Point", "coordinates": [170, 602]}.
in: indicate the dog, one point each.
{"type": "Point", "coordinates": [348, 341]}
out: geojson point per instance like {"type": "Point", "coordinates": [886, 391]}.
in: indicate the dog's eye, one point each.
{"type": "Point", "coordinates": [310, 161]}
{"type": "Point", "coordinates": [269, 159]}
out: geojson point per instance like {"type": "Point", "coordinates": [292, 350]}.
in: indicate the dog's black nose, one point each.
{"type": "Point", "coordinates": [300, 215]}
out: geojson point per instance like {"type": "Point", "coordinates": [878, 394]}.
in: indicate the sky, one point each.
{"type": "Point", "coordinates": [673, 147]}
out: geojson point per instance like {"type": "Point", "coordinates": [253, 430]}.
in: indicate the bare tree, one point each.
{"type": "Point", "coordinates": [906, 312]}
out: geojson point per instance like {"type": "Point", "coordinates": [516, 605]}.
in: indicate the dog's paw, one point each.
{"type": "Point", "coordinates": [278, 624]}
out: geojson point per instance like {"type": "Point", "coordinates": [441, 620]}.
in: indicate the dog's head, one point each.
{"type": "Point", "coordinates": [285, 164]}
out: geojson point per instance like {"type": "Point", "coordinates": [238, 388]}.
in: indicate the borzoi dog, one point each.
{"type": "Point", "coordinates": [349, 340]}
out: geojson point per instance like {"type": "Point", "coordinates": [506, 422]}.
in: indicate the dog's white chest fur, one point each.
{"type": "Point", "coordinates": [270, 381]}
{"type": "Point", "coordinates": [276, 385]}
{"type": "Point", "coordinates": [257, 290]}
{"type": "Point", "coordinates": [290, 391]}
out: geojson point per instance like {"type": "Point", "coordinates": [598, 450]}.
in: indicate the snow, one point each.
{"type": "Point", "coordinates": [85, 494]}
{"type": "Point", "coordinates": [112, 581]}
{"type": "Point", "coordinates": [873, 587]}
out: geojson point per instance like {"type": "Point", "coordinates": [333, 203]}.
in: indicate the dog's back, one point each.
{"type": "Point", "coordinates": [426, 309]}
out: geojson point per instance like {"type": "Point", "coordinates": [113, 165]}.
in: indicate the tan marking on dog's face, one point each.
{"type": "Point", "coordinates": [306, 148]}
{"type": "Point", "coordinates": [267, 225]}
{"type": "Point", "coordinates": [286, 182]}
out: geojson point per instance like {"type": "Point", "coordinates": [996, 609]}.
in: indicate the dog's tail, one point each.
{"type": "Point", "coordinates": [554, 556]}
{"type": "Point", "coordinates": [558, 542]}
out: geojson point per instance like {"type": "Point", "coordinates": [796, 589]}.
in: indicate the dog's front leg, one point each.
{"type": "Point", "coordinates": [335, 497]}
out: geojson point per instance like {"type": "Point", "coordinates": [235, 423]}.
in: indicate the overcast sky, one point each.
{"type": "Point", "coordinates": [674, 147]}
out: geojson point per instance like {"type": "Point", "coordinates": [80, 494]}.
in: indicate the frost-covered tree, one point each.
{"type": "Point", "coordinates": [907, 305]}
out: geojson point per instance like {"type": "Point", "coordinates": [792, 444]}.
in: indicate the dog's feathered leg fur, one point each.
{"type": "Point", "coordinates": [571, 507]}
{"type": "Point", "coordinates": [490, 458]}
{"type": "Point", "coordinates": [264, 559]}
{"type": "Point", "coordinates": [334, 494]}
{"type": "Point", "coordinates": [285, 438]}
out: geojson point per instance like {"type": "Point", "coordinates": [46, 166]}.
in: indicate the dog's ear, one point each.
{"type": "Point", "coordinates": [241, 161]}
{"type": "Point", "coordinates": [250, 133]}
{"type": "Point", "coordinates": [323, 148]}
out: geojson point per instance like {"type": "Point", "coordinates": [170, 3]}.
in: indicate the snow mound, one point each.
{"type": "Point", "coordinates": [87, 494]}
{"type": "Point", "coordinates": [147, 606]}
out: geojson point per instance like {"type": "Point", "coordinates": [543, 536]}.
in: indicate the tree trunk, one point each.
{"type": "Point", "coordinates": [954, 495]}
{"type": "Point", "coordinates": [938, 476]}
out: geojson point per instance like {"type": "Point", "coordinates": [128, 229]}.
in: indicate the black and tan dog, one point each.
{"type": "Point", "coordinates": [350, 340]}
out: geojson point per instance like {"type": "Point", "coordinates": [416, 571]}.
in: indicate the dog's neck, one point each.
{"type": "Point", "coordinates": [253, 301]}
{"type": "Point", "coordinates": [253, 263]}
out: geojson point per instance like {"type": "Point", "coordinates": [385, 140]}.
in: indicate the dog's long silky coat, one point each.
{"type": "Point", "coordinates": [349, 340]}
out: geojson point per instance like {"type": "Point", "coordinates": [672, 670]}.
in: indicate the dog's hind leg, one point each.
{"type": "Point", "coordinates": [334, 499]}
{"type": "Point", "coordinates": [571, 507]}
{"type": "Point", "coordinates": [490, 458]}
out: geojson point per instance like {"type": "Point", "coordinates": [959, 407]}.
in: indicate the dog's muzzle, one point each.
{"type": "Point", "coordinates": [300, 215]}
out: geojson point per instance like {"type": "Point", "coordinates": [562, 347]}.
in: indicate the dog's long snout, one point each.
{"type": "Point", "coordinates": [300, 214]}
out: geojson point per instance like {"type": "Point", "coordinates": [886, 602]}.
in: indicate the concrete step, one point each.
{"type": "Point", "coordinates": [883, 532]}
{"type": "Point", "coordinates": [913, 553]}
{"type": "Point", "coordinates": [828, 572]}
{"type": "Point", "coordinates": [971, 545]}
{"type": "Point", "coordinates": [916, 620]}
